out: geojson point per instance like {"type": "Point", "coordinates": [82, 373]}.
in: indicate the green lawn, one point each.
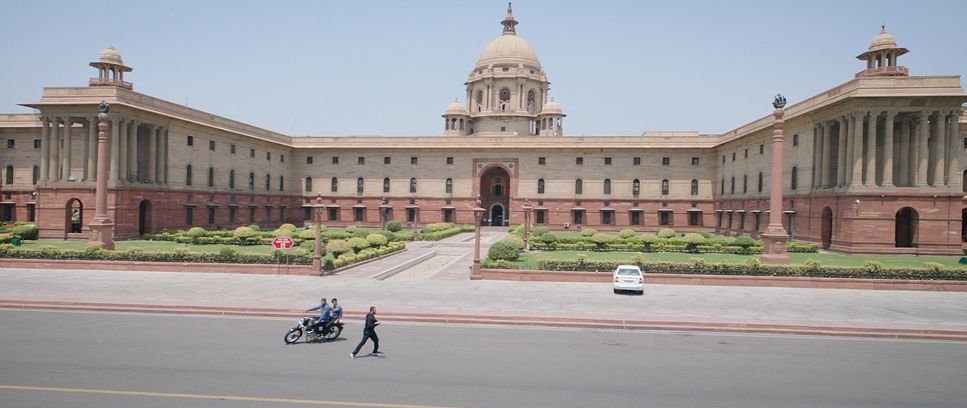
{"type": "Point", "coordinates": [530, 260]}
{"type": "Point", "coordinates": [152, 246]}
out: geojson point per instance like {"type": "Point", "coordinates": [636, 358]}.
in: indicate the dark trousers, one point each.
{"type": "Point", "coordinates": [368, 334]}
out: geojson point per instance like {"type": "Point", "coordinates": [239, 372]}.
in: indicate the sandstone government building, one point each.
{"type": "Point", "coordinates": [874, 165]}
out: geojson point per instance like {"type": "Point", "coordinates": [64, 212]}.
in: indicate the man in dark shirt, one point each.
{"type": "Point", "coordinates": [369, 332]}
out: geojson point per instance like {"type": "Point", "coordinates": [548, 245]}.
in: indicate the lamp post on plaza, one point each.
{"type": "Point", "coordinates": [477, 215]}
{"type": "Point", "coordinates": [527, 222]}
{"type": "Point", "coordinates": [317, 246]}
{"type": "Point", "coordinates": [775, 236]}
{"type": "Point", "coordinates": [102, 227]}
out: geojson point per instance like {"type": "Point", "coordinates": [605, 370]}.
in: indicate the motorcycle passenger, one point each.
{"type": "Point", "coordinates": [325, 316]}
{"type": "Point", "coordinates": [336, 311]}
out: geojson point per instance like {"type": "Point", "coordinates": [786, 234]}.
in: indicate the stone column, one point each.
{"type": "Point", "coordinates": [841, 151]}
{"type": "Point", "coordinates": [954, 180]}
{"type": "Point", "coordinates": [827, 153]}
{"type": "Point", "coordinates": [124, 132]}
{"type": "Point", "coordinates": [775, 236]}
{"type": "Point", "coordinates": [871, 149]}
{"type": "Point", "coordinates": [54, 168]}
{"type": "Point", "coordinates": [152, 151]}
{"type": "Point", "coordinates": [101, 226]}
{"type": "Point", "coordinates": [132, 159]}
{"type": "Point", "coordinates": [44, 148]}
{"type": "Point", "coordinates": [116, 150]}
{"type": "Point", "coordinates": [888, 149]}
{"type": "Point", "coordinates": [940, 144]}
{"type": "Point", "coordinates": [904, 153]}
{"type": "Point", "coordinates": [164, 156]}
{"type": "Point", "coordinates": [817, 156]}
{"type": "Point", "coordinates": [66, 155]}
{"type": "Point", "coordinates": [857, 135]}
{"type": "Point", "coordinates": [90, 152]}
{"type": "Point", "coordinates": [923, 146]}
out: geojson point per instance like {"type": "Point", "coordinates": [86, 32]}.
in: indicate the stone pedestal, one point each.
{"type": "Point", "coordinates": [774, 247]}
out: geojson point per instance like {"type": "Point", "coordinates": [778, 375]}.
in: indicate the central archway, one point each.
{"type": "Point", "coordinates": [73, 216]}
{"type": "Point", "coordinates": [906, 227]}
{"type": "Point", "coordinates": [495, 195]}
{"type": "Point", "coordinates": [144, 217]}
{"type": "Point", "coordinates": [827, 227]}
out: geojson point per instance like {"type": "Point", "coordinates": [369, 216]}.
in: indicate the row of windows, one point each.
{"type": "Point", "coordinates": [362, 160]}
{"type": "Point", "coordinates": [795, 142]}
{"type": "Point", "coordinates": [635, 186]}
{"type": "Point", "coordinates": [190, 215]}
{"type": "Point", "coordinates": [665, 161]}
{"type": "Point", "coordinates": [360, 182]}
{"type": "Point", "coordinates": [634, 217]}
{"type": "Point", "coordinates": [794, 182]}
{"type": "Point", "coordinates": [189, 179]}
{"type": "Point", "coordinates": [11, 143]}
{"type": "Point", "coordinates": [231, 149]}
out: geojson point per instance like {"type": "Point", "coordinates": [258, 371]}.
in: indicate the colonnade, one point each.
{"type": "Point", "coordinates": [139, 151]}
{"type": "Point", "coordinates": [887, 148]}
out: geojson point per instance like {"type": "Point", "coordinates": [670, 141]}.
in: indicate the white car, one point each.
{"type": "Point", "coordinates": [630, 278]}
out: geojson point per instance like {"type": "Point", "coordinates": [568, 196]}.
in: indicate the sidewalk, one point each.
{"type": "Point", "coordinates": [677, 307]}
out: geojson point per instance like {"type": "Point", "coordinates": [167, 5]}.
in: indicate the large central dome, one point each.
{"type": "Point", "coordinates": [508, 48]}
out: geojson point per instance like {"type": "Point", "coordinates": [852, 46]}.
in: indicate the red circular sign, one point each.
{"type": "Point", "coordinates": [282, 242]}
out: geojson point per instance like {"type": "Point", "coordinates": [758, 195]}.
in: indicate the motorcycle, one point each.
{"type": "Point", "coordinates": [307, 326]}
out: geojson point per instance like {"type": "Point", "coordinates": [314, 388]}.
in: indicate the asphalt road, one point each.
{"type": "Point", "coordinates": [60, 359]}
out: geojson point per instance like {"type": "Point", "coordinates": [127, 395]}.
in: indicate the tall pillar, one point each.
{"type": "Point", "coordinates": [164, 156]}
{"type": "Point", "coordinates": [66, 154]}
{"type": "Point", "coordinates": [888, 149]}
{"type": "Point", "coordinates": [774, 238]}
{"type": "Point", "coordinates": [827, 153]}
{"type": "Point", "coordinates": [90, 152]}
{"type": "Point", "coordinates": [152, 151]}
{"type": "Point", "coordinates": [923, 149]}
{"type": "Point", "coordinates": [857, 135]}
{"type": "Point", "coordinates": [903, 177]}
{"type": "Point", "coordinates": [939, 169]}
{"type": "Point", "coordinates": [132, 159]}
{"type": "Point", "coordinates": [102, 227]}
{"type": "Point", "coordinates": [817, 156]}
{"type": "Point", "coordinates": [116, 150]}
{"type": "Point", "coordinates": [124, 130]}
{"type": "Point", "coordinates": [954, 179]}
{"type": "Point", "coordinates": [871, 149]}
{"type": "Point", "coordinates": [841, 152]}
{"type": "Point", "coordinates": [44, 147]}
{"type": "Point", "coordinates": [55, 132]}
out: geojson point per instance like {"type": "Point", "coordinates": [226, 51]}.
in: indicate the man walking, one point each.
{"type": "Point", "coordinates": [369, 332]}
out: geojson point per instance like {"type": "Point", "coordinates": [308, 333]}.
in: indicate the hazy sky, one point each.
{"type": "Point", "coordinates": [331, 68]}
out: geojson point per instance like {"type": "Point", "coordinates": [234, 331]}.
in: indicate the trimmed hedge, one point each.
{"type": "Point", "coordinates": [97, 254]}
{"type": "Point", "coordinates": [436, 234]}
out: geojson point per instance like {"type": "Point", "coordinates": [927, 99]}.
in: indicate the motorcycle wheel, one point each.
{"type": "Point", "coordinates": [334, 332]}
{"type": "Point", "coordinates": [293, 335]}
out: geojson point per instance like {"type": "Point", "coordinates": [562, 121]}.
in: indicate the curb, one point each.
{"type": "Point", "coordinates": [533, 321]}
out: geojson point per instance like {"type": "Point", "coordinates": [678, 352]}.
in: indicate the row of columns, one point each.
{"type": "Point", "coordinates": [902, 148]}
{"type": "Point", "coordinates": [133, 159]}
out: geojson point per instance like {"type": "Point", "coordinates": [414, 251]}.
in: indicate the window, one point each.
{"type": "Point", "coordinates": [333, 213]}
{"type": "Point", "coordinates": [211, 215]}
{"type": "Point", "coordinates": [231, 179]}
{"type": "Point", "coordinates": [761, 149]}
{"type": "Point", "coordinates": [387, 160]}
{"type": "Point", "coordinates": [447, 215]}
{"type": "Point", "coordinates": [760, 181]}
{"type": "Point", "coordinates": [607, 161]}
{"type": "Point", "coordinates": [231, 149]}
{"type": "Point", "coordinates": [231, 215]}
{"type": "Point", "coordinates": [308, 159]}
{"type": "Point", "coordinates": [733, 156]}
{"type": "Point", "coordinates": [211, 146]}
{"type": "Point", "coordinates": [359, 185]}
{"type": "Point", "coordinates": [335, 159]}
{"type": "Point", "coordinates": [540, 186]}
{"type": "Point", "coordinates": [358, 213]}
{"type": "Point", "coordinates": [36, 143]}
{"type": "Point", "coordinates": [542, 161]}
{"type": "Point", "coordinates": [449, 186]}
{"type": "Point", "coordinates": [540, 216]}
{"type": "Point", "coordinates": [282, 158]}
{"type": "Point", "coordinates": [732, 191]}
{"type": "Point", "coordinates": [795, 177]}
{"type": "Point", "coordinates": [636, 161]}
{"type": "Point", "coordinates": [36, 175]}
{"type": "Point", "coordinates": [607, 186]}
{"type": "Point", "coordinates": [268, 156]}
{"type": "Point", "coordinates": [635, 187]}
{"type": "Point", "coordinates": [746, 153]}
{"type": "Point", "coordinates": [579, 160]}
{"type": "Point", "coordinates": [413, 185]}
{"type": "Point", "coordinates": [965, 142]}
{"type": "Point", "coordinates": [268, 182]}
{"type": "Point", "coordinates": [309, 184]}
{"type": "Point", "coordinates": [386, 185]}
{"type": "Point", "coordinates": [694, 187]}
{"type": "Point", "coordinates": [694, 161]}
{"type": "Point", "coordinates": [9, 177]}
{"type": "Point", "coordinates": [334, 185]}
{"type": "Point", "coordinates": [211, 177]}
{"type": "Point", "coordinates": [413, 160]}
{"type": "Point", "coordinates": [693, 217]}
{"type": "Point", "coordinates": [578, 217]}
{"type": "Point", "coordinates": [578, 186]}
{"type": "Point", "coordinates": [665, 218]}
{"type": "Point", "coordinates": [251, 180]}
{"type": "Point", "coordinates": [251, 152]}
{"type": "Point", "coordinates": [281, 183]}
{"type": "Point", "coordinates": [189, 215]}
{"type": "Point", "coordinates": [664, 187]}
{"type": "Point", "coordinates": [607, 217]}
{"type": "Point", "coordinates": [191, 142]}
{"type": "Point", "coordinates": [666, 161]}
{"type": "Point", "coordinates": [360, 160]}
{"type": "Point", "coordinates": [795, 140]}
{"type": "Point", "coordinates": [741, 221]}
{"type": "Point", "coordinates": [792, 224]}
{"type": "Point", "coordinates": [449, 159]}
{"type": "Point", "coordinates": [188, 175]}
{"type": "Point", "coordinates": [281, 213]}
{"type": "Point", "coordinates": [757, 222]}
{"type": "Point", "coordinates": [723, 159]}
{"type": "Point", "coordinates": [745, 184]}
{"type": "Point", "coordinates": [723, 187]}
{"type": "Point", "coordinates": [635, 217]}
{"type": "Point", "coordinates": [251, 215]}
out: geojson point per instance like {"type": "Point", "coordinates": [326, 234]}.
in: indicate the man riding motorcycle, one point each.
{"type": "Point", "coordinates": [325, 316]}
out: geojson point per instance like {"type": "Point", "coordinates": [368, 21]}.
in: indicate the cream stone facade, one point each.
{"type": "Point", "coordinates": [875, 164]}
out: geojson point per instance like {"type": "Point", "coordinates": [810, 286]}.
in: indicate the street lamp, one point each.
{"type": "Point", "coordinates": [317, 247]}
{"type": "Point", "coordinates": [477, 215]}
{"type": "Point", "coordinates": [527, 222]}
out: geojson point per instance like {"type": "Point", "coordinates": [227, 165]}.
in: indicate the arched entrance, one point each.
{"type": "Point", "coordinates": [73, 216]}
{"type": "Point", "coordinates": [827, 227]}
{"type": "Point", "coordinates": [963, 225]}
{"type": "Point", "coordinates": [906, 227]}
{"type": "Point", "coordinates": [495, 195]}
{"type": "Point", "coordinates": [144, 217]}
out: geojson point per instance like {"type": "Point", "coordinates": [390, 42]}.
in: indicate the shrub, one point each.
{"type": "Point", "coordinates": [743, 241]}
{"type": "Point", "coordinates": [328, 263]}
{"type": "Point", "coordinates": [626, 233]}
{"type": "Point", "coordinates": [135, 250]}
{"type": "Point", "coordinates": [753, 263]}
{"type": "Point", "coordinates": [245, 236]}
{"type": "Point", "coordinates": [351, 229]}
{"type": "Point", "coordinates": [812, 264]}
{"type": "Point", "coordinates": [588, 232]}
{"type": "Point", "coordinates": [648, 240]}
{"type": "Point", "coordinates": [394, 226]}
{"type": "Point", "coordinates": [666, 233]}
{"type": "Point", "coordinates": [581, 258]}
{"type": "Point", "coordinates": [196, 232]}
{"type": "Point", "coordinates": [503, 250]}
{"type": "Point", "coordinates": [376, 240]}
{"type": "Point", "coordinates": [255, 227]}
{"type": "Point", "coordinates": [437, 226]}
{"type": "Point", "coordinates": [601, 239]}
{"type": "Point", "coordinates": [638, 259]}
{"type": "Point", "coordinates": [873, 267]}
{"type": "Point", "coordinates": [287, 227]}
{"type": "Point", "coordinates": [514, 240]}
{"type": "Point", "coordinates": [692, 241]}
{"type": "Point", "coordinates": [25, 232]}
{"type": "Point", "coordinates": [802, 247]}
{"type": "Point", "coordinates": [933, 266]}
{"type": "Point", "coordinates": [357, 243]}
{"type": "Point", "coordinates": [539, 231]}
{"type": "Point", "coordinates": [228, 255]}
{"type": "Point", "coordinates": [337, 247]}
{"type": "Point", "coordinates": [548, 238]}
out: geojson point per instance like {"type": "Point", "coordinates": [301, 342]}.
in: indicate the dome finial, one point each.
{"type": "Point", "coordinates": [509, 22]}
{"type": "Point", "coordinates": [883, 27]}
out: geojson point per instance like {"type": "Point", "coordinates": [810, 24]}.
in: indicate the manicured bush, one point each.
{"type": "Point", "coordinates": [437, 226]}
{"type": "Point", "coordinates": [376, 240]}
{"type": "Point", "coordinates": [25, 232]}
{"type": "Point", "coordinates": [626, 233]}
{"type": "Point", "coordinates": [288, 227]}
{"type": "Point", "coordinates": [588, 232]}
{"type": "Point", "coordinates": [744, 241]}
{"type": "Point", "coordinates": [548, 238]}
{"type": "Point", "coordinates": [802, 247]}
{"type": "Point", "coordinates": [638, 259]}
{"type": "Point", "coordinates": [357, 243]}
{"type": "Point", "coordinates": [514, 240]}
{"type": "Point", "coordinates": [328, 263]}
{"type": "Point", "coordinates": [503, 250]}
{"type": "Point", "coordinates": [255, 227]}
{"type": "Point", "coordinates": [692, 241]}
{"type": "Point", "coordinates": [394, 226]}
{"type": "Point", "coordinates": [933, 266]}
{"type": "Point", "coordinates": [600, 239]}
{"type": "Point", "coordinates": [337, 247]}
{"type": "Point", "coordinates": [539, 231]}
{"type": "Point", "coordinates": [351, 229]}
{"type": "Point", "coordinates": [245, 236]}
{"type": "Point", "coordinates": [666, 233]}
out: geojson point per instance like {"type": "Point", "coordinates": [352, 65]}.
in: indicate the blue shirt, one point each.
{"type": "Point", "coordinates": [324, 312]}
